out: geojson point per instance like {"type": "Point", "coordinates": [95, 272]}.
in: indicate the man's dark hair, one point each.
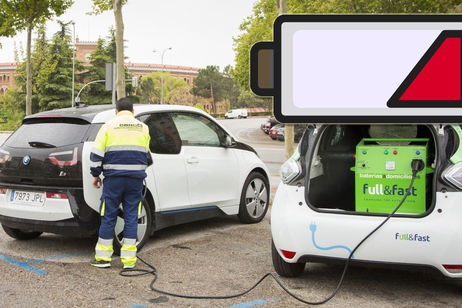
{"type": "Point", "coordinates": [125, 103]}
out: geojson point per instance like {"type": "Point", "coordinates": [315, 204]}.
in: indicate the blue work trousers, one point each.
{"type": "Point", "coordinates": [120, 190]}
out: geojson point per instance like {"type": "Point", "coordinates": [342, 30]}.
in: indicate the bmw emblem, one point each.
{"type": "Point", "coordinates": [26, 160]}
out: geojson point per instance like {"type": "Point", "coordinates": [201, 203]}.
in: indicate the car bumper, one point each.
{"type": "Point", "coordinates": [71, 216]}
{"type": "Point", "coordinates": [333, 234]}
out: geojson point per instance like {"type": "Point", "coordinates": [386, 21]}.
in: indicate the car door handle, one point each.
{"type": "Point", "coordinates": [192, 160]}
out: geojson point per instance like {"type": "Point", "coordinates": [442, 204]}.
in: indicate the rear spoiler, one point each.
{"type": "Point", "coordinates": [55, 119]}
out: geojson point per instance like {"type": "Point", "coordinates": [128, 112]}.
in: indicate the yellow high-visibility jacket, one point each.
{"type": "Point", "coordinates": [121, 148]}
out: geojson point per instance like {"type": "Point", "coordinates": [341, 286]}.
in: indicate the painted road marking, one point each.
{"type": "Point", "coordinates": [26, 264]}
{"type": "Point", "coordinates": [254, 303]}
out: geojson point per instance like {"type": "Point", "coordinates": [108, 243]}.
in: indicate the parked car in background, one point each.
{"type": "Point", "coordinates": [268, 124]}
{"type": "Point", "coordinates": [273, 132]}
{"type": "Point", "coordinates": [236, 114]}
{"type": "Point", "coordinates": [200, 171]}
{"type": "Point", "coordinates": [298, 132]}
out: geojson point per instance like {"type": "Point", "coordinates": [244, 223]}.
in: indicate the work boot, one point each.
{"type": "Point", "coordinates": [100, 263]}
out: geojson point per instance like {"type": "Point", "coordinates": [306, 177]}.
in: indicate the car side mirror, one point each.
{"type": "Point", "coordinates": [229, 142]}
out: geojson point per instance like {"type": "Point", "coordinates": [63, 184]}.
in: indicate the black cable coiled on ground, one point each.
{"type": "Point", "coordinates": [136, 272]}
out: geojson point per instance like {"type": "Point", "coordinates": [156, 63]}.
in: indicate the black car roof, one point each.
{"type": "Point", "coordinates": [86, 113]}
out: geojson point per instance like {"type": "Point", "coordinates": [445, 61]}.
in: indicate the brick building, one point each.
{"type": "Point", "coordinates": [83, 52]}
{"type": "Point", "coordinates": [7, 73]}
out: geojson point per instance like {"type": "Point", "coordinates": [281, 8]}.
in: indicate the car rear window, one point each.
{"type": "Point", "coordinates": [48, 133]}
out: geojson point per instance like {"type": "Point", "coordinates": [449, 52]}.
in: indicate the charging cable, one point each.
{"type": "Point", "coordinates": [416, 166]}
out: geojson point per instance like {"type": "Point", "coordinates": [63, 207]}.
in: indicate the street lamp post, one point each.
{"type": "Point", "coordinates": [162, 75]}
{"type": "Point", "coordinates": [73, 65]}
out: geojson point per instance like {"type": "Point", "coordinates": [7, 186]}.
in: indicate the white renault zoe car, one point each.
{"type": "Point", "coordinates": [200, 170]}
{"type": "Point", "coordinates": [317, 215]}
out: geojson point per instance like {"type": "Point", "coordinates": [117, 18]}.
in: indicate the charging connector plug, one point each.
{"type": "Point", "coordinates": [416, 166]}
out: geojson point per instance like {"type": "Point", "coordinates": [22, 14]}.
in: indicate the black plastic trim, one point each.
{"type": "Point", "coordinates": [396, 265]}
{"type": "Point", "coordinates": [164, 220]}
{"type": "Point", "coordinates": [242, 146]}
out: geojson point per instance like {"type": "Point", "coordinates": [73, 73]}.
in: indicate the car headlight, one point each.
{"type": "Point", "coordinates": [453, 175]}
{"type": "Point", "coordinates": [4, 156]}
{"type": "Point", "coordinates": [290, 170]}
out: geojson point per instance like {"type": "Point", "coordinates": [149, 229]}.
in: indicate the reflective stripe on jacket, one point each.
{"type": "Point", "coordinates": [121, 148]}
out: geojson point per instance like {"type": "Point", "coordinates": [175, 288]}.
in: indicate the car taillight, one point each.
{"type": "Point", "coordinates": [54, 195]}
{"type": "Point", "coordinates": [453, 268]}
{"type": "Point", "coordinates": [4, 156]}
{"type": "Point", "coordinates": [453, 175]}
{"type": "Point", "coordinates": [3, 191]}
{"type": "Point", "coordinates": [59, 158]}
{"type": "Point", "coordinates": [288, 254]}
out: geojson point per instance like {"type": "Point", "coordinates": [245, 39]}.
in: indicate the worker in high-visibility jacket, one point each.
{"type": "Point", "coordinates": [121, 153]}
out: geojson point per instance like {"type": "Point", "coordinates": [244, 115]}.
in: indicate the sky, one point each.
{"type": "Point", "coordinates": [200, 32]}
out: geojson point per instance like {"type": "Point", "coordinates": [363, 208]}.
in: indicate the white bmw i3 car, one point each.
{"type": "Point", "coordinates": [345, 180]}
{"type": "Point", "coordinates": [200, 170]}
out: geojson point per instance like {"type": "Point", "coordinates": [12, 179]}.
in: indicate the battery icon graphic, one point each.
{"type": "Point", "coordinates": [362, 68]}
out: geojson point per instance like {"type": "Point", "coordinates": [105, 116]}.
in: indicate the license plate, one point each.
{"type": "Point", "coordinates": [26, 197]}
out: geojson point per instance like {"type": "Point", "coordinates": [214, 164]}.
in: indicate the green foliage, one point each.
{"type": "Point", "coordinates": [38, 58]}
{"type": "Point", "coordinates": [247, 100]}
{"type": "Point", "coordinates": [100, 6]}
{"type": "Point", "coordinates": [211, 83]}
{"type": "Point", "coordinates": [176, 90]}
{"type": "Point", "coordinates": [201, 107]}
{"type": "Point", "coordinates": [255, 28]}
{"type": "Point", "coordinates": [51, 71]}
{"type": "Point", "coordinates": [11, 113]}
{"type": "Point", "coordinates": [258, 26]}
{"type": "Point", "coordinates": [17, 15]}
{"type": "Point", "coordinates": [54, 80]}
{"type": "Point", "coordinates": [105, 53]}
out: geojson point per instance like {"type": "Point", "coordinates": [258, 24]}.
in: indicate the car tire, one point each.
{"type": "Point", "coordinates": [255, 198]}
{"type": "Point", "coordinates": [21, 234]}
{"type": "Point", "coordinates": [284, 268]}
{"type": "Point", "coordinates": [145, 223]}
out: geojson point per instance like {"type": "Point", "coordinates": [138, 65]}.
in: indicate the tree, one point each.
{"type": "Point", "coordinates": [28, 14]}
{"type": "Point", "coordinates": [11, 114]}
{"type": "Point", "coordinates": [105, 52]}
{"type": "Point", "coordinates": [176, 90]}
{"type": "Point", "coordinates": [116, 5]}
{"type": "Point", "coordinates": [255, 28]}
{"type": "Point", "coordinates": [54, 80]}
{"type": "Point", "coordinates": [38, 57]}
{"type": "Point", "coordinates": [232, 90]}
{"type": "Point", "coordinates": [210, 83]}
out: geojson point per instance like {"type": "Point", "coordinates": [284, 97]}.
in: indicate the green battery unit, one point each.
{"type": "Point", "coordinates": [383, 174]}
